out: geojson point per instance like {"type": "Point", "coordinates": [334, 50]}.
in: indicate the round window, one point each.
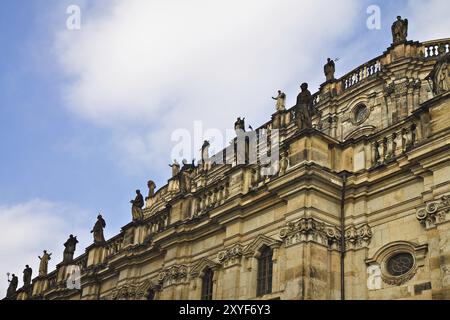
{"type": "Point", "coordinates": [400, 264]}
{"type": "Point", "coordinates": [361, 113]}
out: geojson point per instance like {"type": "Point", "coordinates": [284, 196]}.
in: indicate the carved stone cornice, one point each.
{"type": "Point", "coordinates": [313, 230]}
{"type": "Point", "coordinates": [310, 230]}
{"type": "Point", "coordinates": [173, 275]}
{"type": "Point", "coordinates": [231, 255]}
{"type": "Point", "coordinates": [434, 212]}
{"type": "Point", "coordinates": [358, 237]}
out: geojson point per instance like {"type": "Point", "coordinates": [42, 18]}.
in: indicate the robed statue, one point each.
{"type": "Point", "coordinates": [281, 101]}
{"type": "Point", "coordinates": [151, 189]}
{"type": "Point", "coordinates": [97, 231]}
{"type": "Point", "coordinates": [400, 30]}
{"type": "Point", "coordinates": [303, 108]}
{"type": "Point", "coordinates": [329, 70]}
{"type": "Point", "coordinates": [70, 247]}
{"type": "Point", "coordinates": [137, 205]}
{"type": "Point", "coordinates": [27, 272]}
{"type": "Point", "coordinates": [239, 124]}
{"type": "Point", "coordinates": [175, 168]}
{"type": "Point", "coordinates": [205, 151]}
{"type": "Point", "coordinates": [12, 288]}
{"type": "Point", "coordinates": [43, 265]}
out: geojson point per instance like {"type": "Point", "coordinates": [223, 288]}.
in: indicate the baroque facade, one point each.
{"type": "Point", "coordinates": [360, 208]}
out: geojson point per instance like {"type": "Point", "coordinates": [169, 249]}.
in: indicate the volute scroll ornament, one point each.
{"type": "Point", "coordinates": [434, 212]}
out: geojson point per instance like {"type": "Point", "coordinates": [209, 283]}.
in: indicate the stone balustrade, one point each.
{"type": "Point", "coordinates": [436, 48]}
{"type": "Point", "coordinates": [365, 71]}
{"type": "Point", "coordinates": [158, 223]}
{"type": "Point", "coordinates": [394, 143]}
{"type": "Point", "coordinates": [211, 198]}
{"type": "Point", "coordinates": [114, 246]}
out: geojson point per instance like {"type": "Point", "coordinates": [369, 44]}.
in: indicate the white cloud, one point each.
{"type": "Point", "coordinates": [428, 19]}
{"type": "Point", "coordinates": [145, 68]}
{"type": "Point", "coordinates": [29, 228]}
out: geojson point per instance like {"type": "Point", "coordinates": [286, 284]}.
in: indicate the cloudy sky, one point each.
{"type": "Point", "coordinates": [86, 116]}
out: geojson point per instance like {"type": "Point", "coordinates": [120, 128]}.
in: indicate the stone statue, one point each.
{"type": "Point", "coordinates": [175, 168]}
{"type": "Point", "coordinates": [12, 288]}
{"type": "Point", "coordinates": [239, 124]}
{"type": "Point", "coordinates": [441, 75]}
{"type": "Point", "coordinates": [185, 181]}
{"type": "Point", "coordinates": [329, 70]}
{"type": "Point", "coordinates": [27, 272]}
{"type": "Point", "coordinates": [137, 205]}
{"type": "Point", "coordinates": [303, 108]}
{"type": "Point", "coordinates": [70, 247]}
{"type": "Point", "coordinates": [284, 163]}
{"type": "Point", "coordinates": [151, 189]}
{"type": "Point", "coordinates": [100, 224]}
{"type": "Point", "coordinates": [205, 151]}
{"type": "Point", "coordinates": [43, 265]}
{"type": "Point", "coordinates": [281, 101]}
{"type": "Point", "coordinates": [400, 30]}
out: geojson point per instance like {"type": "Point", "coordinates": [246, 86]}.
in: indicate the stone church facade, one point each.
{"type": "Point", "coordinates": [360, 208]}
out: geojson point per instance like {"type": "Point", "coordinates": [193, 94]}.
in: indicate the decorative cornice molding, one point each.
{"type": "Point", "coordinates": [200, 266]}
{"type": "Point", "coordinates": [230, 255]}
{"type": "Point", "coordinates": [173, 274]}
{"type": "Point", "coordinates": [310, 230]}
{"type": "Point", "coordinates": [313, 230]}
{"type": "Point", "coordinates": [358, 237]}
{"type": "Point", "coordinates": [434, 212]}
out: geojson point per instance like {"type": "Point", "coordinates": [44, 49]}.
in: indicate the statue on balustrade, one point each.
{"type": "Point", "coordinates": [205, 151]}
{"type": "Point", "coordinates": [137, 205]}
{"type": "Point", "coordinates": [13, 284]}
{"type": "Point", "coordinates": [151, 189]}
{"type": "Point", "coordinates": [175, 168]}
{"type": "Point", "coordinates": [281, 101]}
{"type": "Point", "coordinates": [43, 265]}
{"type": "Point", "coordinates": [27, 272]}
{"type": "Point", "coordinates": [329, 69]}
{"type": "Point", "coordinates": [70, 247]}
{"type": "Point", "coordinates": [303, 108]}
{"type": "Point", "coordinates": [100, 224]}
{"type": "Point", "coordinates": [239, 125]}
{"type": "Point", "coordinates": [400, 30]}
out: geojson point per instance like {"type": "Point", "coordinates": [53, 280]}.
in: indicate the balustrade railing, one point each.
{"type": "Point", "coordinates": [365, 71]}
{"type": "Point", "coordinates": [394, 144]}
{"type": "Point", "coordinates": [436, 48]}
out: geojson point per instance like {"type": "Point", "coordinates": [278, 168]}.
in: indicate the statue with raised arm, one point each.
{"type": "Point", "coordinates": [175, 168]}
{"type": "Point", "coordinates": [137, 205]}
{"type": "Point", "coordinates": [27, 272]}
{"type": "Point", "coordinates": [329, 70]}
{"type": "Point", "coordinates": [400, 30]}
{"type": "Point", "coordinates": [281, 101]}
{"type": "Point", "coordinates": [13, 284]}
{"type": "Point", "coordinates": [303, 108]}
{"type": "Point", "coordinates": [69, 251]}
{"type": "Point", "coordinates": [99, 225]}
{"type": "Point", "coordinates": [43, 265]}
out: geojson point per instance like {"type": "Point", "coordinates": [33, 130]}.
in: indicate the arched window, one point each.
{"type": "Point", "coordinates": [207, 284]}
{"type": "Point", "coordinates": [150, 294]}
{"type": "Point", "coordinates": [265, 269]}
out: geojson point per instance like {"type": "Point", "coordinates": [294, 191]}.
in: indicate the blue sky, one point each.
{"type": "Point", "coordinates": [83, 124]}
